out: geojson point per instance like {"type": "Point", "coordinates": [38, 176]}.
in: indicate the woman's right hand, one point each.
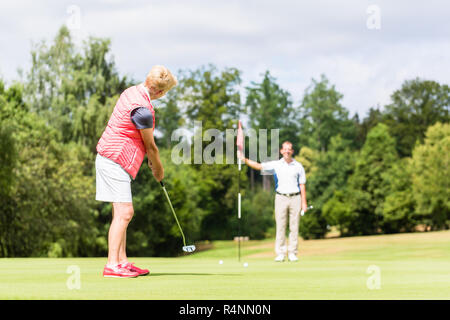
{"type": "Point", "coordinates": [158, 173]}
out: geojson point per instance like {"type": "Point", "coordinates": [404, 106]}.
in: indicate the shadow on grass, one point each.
{"type": "Point", "coordinates": [194, 274]}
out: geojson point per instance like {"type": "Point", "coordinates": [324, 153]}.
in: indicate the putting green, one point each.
{"type": "Point", "coordinates": [402, 266]}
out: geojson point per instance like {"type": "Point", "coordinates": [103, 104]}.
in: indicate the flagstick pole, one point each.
{"type": "Point", "coordinates": [240, 145]}
{"type": "Point", "coordinates": [239, 210]}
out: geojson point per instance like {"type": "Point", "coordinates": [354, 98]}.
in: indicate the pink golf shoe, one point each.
{"type": "Point", "coordinates": [119, 272]}
{"type": "Point", "coordinates": [131, 267]}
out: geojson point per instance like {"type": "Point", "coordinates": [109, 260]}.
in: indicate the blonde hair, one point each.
{"type": "Point", "coordinates": [161, 78]}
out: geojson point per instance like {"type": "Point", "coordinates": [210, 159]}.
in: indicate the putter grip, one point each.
{"type": "Point", "coordinates": [161, 183]}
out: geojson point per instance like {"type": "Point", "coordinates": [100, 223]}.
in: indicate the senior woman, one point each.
{"type": "Point", "coordinates": [120, 152]}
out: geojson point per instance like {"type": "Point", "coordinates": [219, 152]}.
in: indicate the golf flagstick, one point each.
{"type": "Point", "coordinates": [240, 145]}
{"type": "Point", "coordinates": [239, 210]}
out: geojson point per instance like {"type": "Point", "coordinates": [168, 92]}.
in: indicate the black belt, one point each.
{"type": "Point", "coordinates": [288, 194]}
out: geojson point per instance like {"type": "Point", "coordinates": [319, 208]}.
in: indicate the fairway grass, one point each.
{"type": "Point", "coordinates": [408, 266]}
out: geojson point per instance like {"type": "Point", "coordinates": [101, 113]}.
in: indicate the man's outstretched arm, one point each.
{"type": "Point", "coordinates": [253, 164]}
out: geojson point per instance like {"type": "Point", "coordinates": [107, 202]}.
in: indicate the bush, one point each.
{"type": "Point", "coordinates": [313, 225]}
{"type": "Point", "coordinates": [257, 215]}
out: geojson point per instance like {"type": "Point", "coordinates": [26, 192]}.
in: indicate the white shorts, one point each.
{"type": "Point", "coordinates": [113, 183]}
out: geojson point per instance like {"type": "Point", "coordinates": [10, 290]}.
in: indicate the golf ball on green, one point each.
{"type": "Point", "coordinates": [220, 262]}
{"type": "Point", "coordinates": [245, 264]}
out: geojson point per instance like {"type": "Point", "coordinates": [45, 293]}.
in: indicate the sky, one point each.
{"type": "Point", "coordinates": [366, 48]}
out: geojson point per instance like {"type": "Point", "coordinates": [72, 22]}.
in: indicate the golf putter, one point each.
{"type": "Point", "coordinates": [190, 248]}
{"type": "Point", "coordinates": [302, 212]}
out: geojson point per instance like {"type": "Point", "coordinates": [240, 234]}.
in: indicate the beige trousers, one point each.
{"type": "Point", "coordinates": [287, 207]}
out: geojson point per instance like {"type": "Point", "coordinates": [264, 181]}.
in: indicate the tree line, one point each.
{"type": "Point", "coordinates": [385, 173]}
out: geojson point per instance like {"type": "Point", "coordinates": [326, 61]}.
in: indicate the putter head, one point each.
{"type": "Point", "coordinates": [189, 248]}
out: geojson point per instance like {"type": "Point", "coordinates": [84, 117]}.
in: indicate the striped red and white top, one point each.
{"type": "Point", "coordinates": [121, 141]}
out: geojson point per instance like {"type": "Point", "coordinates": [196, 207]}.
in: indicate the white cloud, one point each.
{"type": "Point", "coordinates": [295, 40]}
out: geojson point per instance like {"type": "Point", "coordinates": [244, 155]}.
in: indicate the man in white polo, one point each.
{"type": "Point", "coordinates": [290, 198]}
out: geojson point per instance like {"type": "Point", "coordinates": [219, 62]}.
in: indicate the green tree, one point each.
{"type": "Point", "coordinates": [340, 211]}
{"type": "Point", "coordinates": [270, 107]}
{"type": "Point", "coordinates": [257, 215]}
{"type": "Point", "coordinates": [313, 225]}
{"type": "Point", "coordinates": [219, 199]}
{"type": "Point", "coordinates": [374, 117]}
{"type": "Point", "coordinates": [48, 207]}
{"type": "Point", "coordinates": [8, 161]}
{"type": "Point", "coordinates": [323, 117]}
{"type": "Point", "coordinates": [73, 88]}
{"type": "Point", "coordinates": [332, 169]}
{"type": "Point", "coordinates": [169, 116]}
{"type": "Point", "coordinates": [359, 208]}
{"type": "Point", "coordinates": [8, 149]}
{"type": "Point", "coordinates": [417, 105]}
{"type": "Point", "coordinates": [212, 97]}
{"type": "Point", "coordinates": [308, 158]}
{"type": "Point", "coordinates": [377, 156]}
{"type": "Point", "coordinates": [430, 177]}
{"type": "Point", "coordinates": [399, 204]}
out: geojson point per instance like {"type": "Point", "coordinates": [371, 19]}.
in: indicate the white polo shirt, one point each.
{"type": "Point", "coordinates": [288, 176]}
